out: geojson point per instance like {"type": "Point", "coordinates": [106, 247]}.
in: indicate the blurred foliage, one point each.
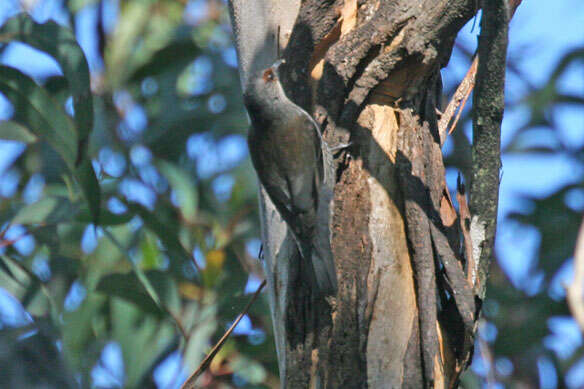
{"type": "Point", "coordinates": [129, 282]}
{"type": "Point", "coordinates": [118, 277]}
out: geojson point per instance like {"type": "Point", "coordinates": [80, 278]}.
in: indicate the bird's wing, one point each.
{"type": "Point", "coordinates": [303, 181]}
{"type": "Point", "coordinates": [280, 198]}
{"type": "Point", "coordinates": [270, 177]}
{"type": "Point", "coordinates": [318, 141]}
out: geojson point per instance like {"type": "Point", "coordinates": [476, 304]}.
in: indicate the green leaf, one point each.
{"type": "Point", "coordinates": [166, 289]}
{"type": "Point", "coordinates": [77, 5]}
{"type": "Point", "coordinates": [162, 223]}
{"type": "Point", "coordinates": [182, 53]}
{"type": "Point", "coordinates": [204, 327]}
{"type": "Point", "coordinates": [46, 210]}
{"type": "Point", "coordinates": [129, 31]}
{"type": "Point", "coordinates": [78, 332]}
{"type": "Point", "coordinates": [10, 130]}
{"type": "Point", "coordinates": [153, 292]}
{"type": "Point", "coordinates": [13, 278]}
{"type": "Point", "coordinates": [110, 256]}
{"type": "Point", "coordinates": [249, 369]}
{"type": "Point", "coordinates": [128, 287]}
{"type": "Point", "coordinates": [144, 341]}
{"type": "Point", "coordinates": [106, 218]}
{"type": "Point", "coordinates": [34, 108]}
{"type": "Point", "coordinates": [151, 258]}
{"type": "Point", "coordinates": [60, 43]}
{"type": "Point", "coordinates": [90, 187]}
{"type": "Point", "coordinates": [184, 187]}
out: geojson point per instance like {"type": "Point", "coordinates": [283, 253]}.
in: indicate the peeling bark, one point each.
{"type": "Point", "coordinates": [488, 109]}
{"type": "Point", "coordinates": [405, 314]}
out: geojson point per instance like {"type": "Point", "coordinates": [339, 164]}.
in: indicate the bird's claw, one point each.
{"type": "Point", "coordinates": [340, 146]}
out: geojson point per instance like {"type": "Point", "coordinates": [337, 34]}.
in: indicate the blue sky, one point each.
{"type": "Point", "coordinates": [540, 33]}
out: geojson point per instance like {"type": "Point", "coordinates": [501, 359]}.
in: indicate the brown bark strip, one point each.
{"type": "Point", "coordinates": [488, 106]}
{"type": "Point", "coordinates": [461, 290]}
{"type": "Point", "coordinates": [346, 364]}
{"type": "Point", "coordinates": [464, 219]}
{"type": "Point", "coordinates": [461, 293]}
{"type": "Point", "coordinates": [417, 202]}
{"type": "Point", "coordinates": [347, 54]}
{"type": "Point", "coordinates": [426, 49]}
{"type": "Point", "coordinates": [352, 52]}
{"type": "Point", "coordinates": [436, 23]}
{"type": "Point", "coordinates": [425, 272]}
{"type": "Point", "coordinates": [315, 20]}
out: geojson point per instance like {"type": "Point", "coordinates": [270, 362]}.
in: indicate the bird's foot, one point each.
{"type": "Point", "coordinates": [340, 146]}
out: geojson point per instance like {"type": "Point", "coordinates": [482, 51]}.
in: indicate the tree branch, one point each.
{"type": "Point", "coordinates": [488, 106]}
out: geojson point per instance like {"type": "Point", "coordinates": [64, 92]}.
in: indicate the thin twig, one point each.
{"type": "Point", "coordinates": [574, 293]}
{"type": "Point", "coordinates": [459, 113]}
{"type": "Point", "coordinates": [462, 92]}
{"type": "Point", "coordinates": [10, 242]}
{"type": "Point", "coordinates": [190, 382]}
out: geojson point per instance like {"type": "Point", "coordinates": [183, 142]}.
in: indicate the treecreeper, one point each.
{"type": "Point", "coordinates": [293, 164]}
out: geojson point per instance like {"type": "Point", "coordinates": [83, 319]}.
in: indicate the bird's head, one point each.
{"type": "Point", "coordinates": [264, 88]}
{"type": "Point", "coordinates": [271, 75]}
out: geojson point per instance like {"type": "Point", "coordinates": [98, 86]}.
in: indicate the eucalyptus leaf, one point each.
{"type": "Point", "coordinates": [106, 218]}
{"type": "Point", "coordinates": [45, 211]}
{"type": "Point", "coordinates": [13, 278]}
{"type": "Point", "coordinates": [60, 43]}
{"type": "Point", "coordinates": [171, 58]}
{"type": "Point", "coordinates": [128, 287]}
{"type": "Point", "coordinates": [184, 188]}
{"type": "Point", "coordinates": [87, 179]}
{"type": "Point", "coordinates": [10, 130]}
{"type": "Point", "coordinates": [78, 332]}
{"type": "Point", "coordinates": [35, 109]}
{"type": "Point", "coordinates": [144, 339]}
{"type": "Point", "coordinates": [160, 222]}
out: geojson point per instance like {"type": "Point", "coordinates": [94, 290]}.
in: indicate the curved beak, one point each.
{"type": "Point", "coordinates": [278, 63]}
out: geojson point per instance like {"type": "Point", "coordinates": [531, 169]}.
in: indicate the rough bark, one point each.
{"type": "Point", "coordinates": [405, 313]}
{"type": "Point", "coordinates": [488, 105]}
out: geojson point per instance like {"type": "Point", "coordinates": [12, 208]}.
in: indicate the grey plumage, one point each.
{"type": "Point", "coordinates": [286, 150]}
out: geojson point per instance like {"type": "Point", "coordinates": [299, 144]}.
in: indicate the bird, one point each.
{"type": "Point", "coordinates": [285, 145]}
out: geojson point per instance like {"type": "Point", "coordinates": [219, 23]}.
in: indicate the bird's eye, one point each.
{"type": "Point", "coordinates": [269, 75]}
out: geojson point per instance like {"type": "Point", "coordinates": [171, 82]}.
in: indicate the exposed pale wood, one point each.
{"type": "Point", "coordinates": [575, 292]}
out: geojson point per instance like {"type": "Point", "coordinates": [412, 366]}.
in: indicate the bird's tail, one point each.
{"type": "Point", "coordinates": [318, 268]}
{"type": "Point", "coordinates": [324, 268]}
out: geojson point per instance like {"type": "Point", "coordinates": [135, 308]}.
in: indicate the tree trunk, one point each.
{"type": "Point", "coordinates": [369, 72]}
